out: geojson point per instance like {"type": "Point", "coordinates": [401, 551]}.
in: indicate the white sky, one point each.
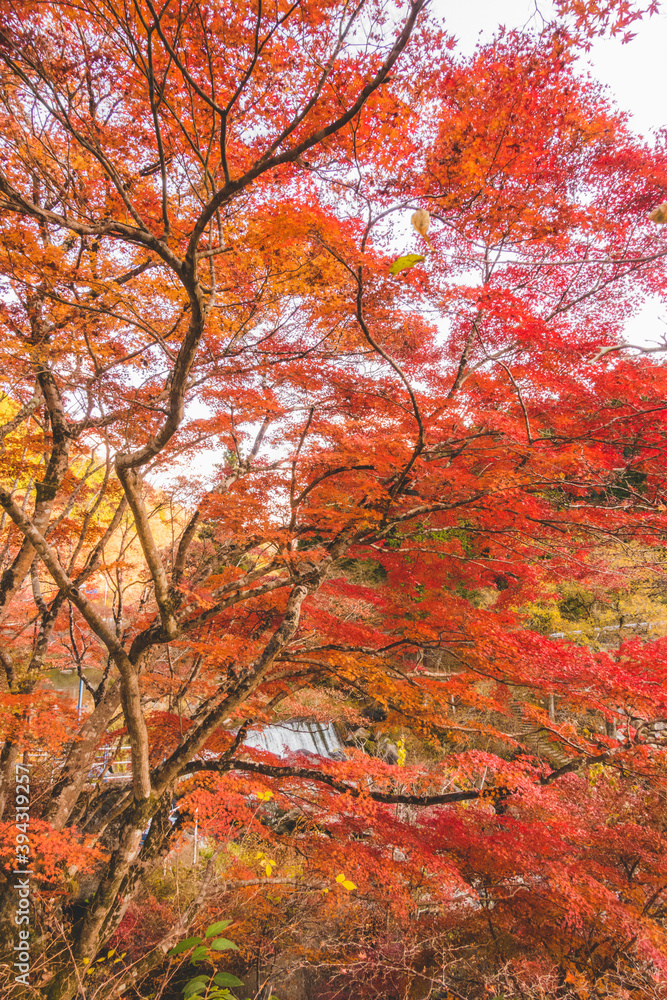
{"type": "Point", "coordinates": [635, 73]}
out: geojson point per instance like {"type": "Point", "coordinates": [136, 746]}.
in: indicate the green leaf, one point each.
{"type": "Point", "coordinates": [195, 986]}
{"type": "Point", "coordinates": [197, 955]}
{"type": "Point", "coordinates": [226, 979]}
{"type": "Point", "coordinates": [192, 989]}
{"type": "Point", "coordinates": [223, 944]}
{"type": "Point", "coordinates": [217, 927]}
{"type": "Point", "coordinates": [184, 945]}
{"type": "Point", "coordinates": [403, 263]}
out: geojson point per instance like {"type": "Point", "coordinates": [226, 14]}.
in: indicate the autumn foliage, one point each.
{"type": "Point", "coordinates": [270, 451]}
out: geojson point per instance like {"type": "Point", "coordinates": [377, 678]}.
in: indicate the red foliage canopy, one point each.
{"type": "Point", "coordinates": [250, 467]}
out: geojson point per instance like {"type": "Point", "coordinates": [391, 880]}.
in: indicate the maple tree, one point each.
{"type": "Point", "coordinates": [267, 450]}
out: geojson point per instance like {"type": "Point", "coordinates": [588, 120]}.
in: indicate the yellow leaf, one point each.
{"type": "Point", "coordinates": [402, 753]}
{"type": "Point", "coordinates": [346, 884]}
{"type": "Point", "coordinates": [403, 263]}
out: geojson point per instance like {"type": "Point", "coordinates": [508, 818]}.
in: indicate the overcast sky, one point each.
{"type": "Point", "coordinates": [636, 73]}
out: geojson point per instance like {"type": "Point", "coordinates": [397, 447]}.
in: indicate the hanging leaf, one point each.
{"type": "Point", "coordinates": [659, 214]}
{"type": "Point", "coordinates": [421, 220]}
{"type": "Point", "coordinates": [403, 263]}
